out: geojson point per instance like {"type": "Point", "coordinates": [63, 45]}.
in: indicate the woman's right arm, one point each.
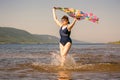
{"type": "Point", "coordinates": [55, 18]}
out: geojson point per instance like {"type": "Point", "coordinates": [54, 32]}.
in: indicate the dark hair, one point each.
{"type": "Point", "coordinates": [66, 18]}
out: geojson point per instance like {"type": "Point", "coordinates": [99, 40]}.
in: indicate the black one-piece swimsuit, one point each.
{"type": "Point", "coordinates": [65, 36]}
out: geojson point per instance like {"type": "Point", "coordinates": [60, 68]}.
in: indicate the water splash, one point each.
{"type": "Point", "coordinates": [56, 60]}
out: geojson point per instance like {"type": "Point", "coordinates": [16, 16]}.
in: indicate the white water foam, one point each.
{"type": "Point", "coordinates": [56, 60]}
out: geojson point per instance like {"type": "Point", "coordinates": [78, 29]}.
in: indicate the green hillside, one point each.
{"type": "Point", "coordinates": [12, 35]}
{"type": "Point", "coordinates": [46, 38]}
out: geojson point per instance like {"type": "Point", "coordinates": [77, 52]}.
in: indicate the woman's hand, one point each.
{"type": "Point", "coordinates": [75, 19]}
{"type": "Point", "coordinates": [54, 8]}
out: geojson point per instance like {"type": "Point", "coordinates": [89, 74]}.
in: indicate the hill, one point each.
{"type": "Point", "coordinates": [45, 38]}
{"type": "Point", "coordinates": [13, 35]}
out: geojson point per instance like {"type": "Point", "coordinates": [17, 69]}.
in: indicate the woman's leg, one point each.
{"type": "Point", "coordinates": [61, 52]}
{"type": "Point", "coordinates": [64, 51]}
{"type": "Point", "coordinates": [61, 48]}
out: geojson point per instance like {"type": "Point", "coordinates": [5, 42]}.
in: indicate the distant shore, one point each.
{"type": "Point", "coordinates": [116, 42]}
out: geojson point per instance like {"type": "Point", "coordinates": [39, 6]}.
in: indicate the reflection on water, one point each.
{"type": "Point", "coordinates": [64, 75]}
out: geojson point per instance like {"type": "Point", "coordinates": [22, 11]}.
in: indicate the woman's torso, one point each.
{"type": "Point", "coordinates": [65, 35]}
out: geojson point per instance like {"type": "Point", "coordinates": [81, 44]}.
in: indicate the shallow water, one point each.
{"type": "Point", "coordinates": [42, 62]}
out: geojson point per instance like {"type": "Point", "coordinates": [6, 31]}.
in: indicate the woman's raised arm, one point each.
{"type": "Point", "coordinates": [72, 24]}
{"type": "Point", "coordinates": [55, 17]}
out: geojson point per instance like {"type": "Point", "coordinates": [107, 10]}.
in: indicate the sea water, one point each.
{"type": "Point", "coordinates": [42, 62]}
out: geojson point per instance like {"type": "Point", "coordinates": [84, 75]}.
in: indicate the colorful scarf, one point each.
{"type": "Point", "coordinates": [79, 15]}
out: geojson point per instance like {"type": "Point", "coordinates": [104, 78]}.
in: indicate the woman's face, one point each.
{"type": "Point", "coordinates": [64, 21]}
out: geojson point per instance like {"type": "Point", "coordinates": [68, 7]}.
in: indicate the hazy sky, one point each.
{"type": "Point", "coordinates": [35, 16]}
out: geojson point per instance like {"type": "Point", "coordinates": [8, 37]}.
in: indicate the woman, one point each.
{"type": "Point", "coordinates": [65, 31]}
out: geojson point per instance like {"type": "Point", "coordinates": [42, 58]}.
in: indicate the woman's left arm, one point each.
{"type": "Point", "coordinates": [72, 24]}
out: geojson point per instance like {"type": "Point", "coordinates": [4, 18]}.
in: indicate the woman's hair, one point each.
{"type": "Point", "coordinates": [66, 18]}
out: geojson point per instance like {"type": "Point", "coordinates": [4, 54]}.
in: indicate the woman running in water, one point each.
{"type": "Point", "coordinates": [65, 31]}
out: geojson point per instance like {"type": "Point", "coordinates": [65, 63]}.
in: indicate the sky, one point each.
{"type": "Point", "coordinates": [35, 16]}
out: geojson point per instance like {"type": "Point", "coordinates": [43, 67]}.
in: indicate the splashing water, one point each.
{"type": "Point", "coordinates": [54, 63]}
{"type": "Point", "coordinates": [56, 60]}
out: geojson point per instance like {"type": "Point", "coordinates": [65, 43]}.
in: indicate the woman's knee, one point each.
{"type": "Point", "coordinates": [63, 55]}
